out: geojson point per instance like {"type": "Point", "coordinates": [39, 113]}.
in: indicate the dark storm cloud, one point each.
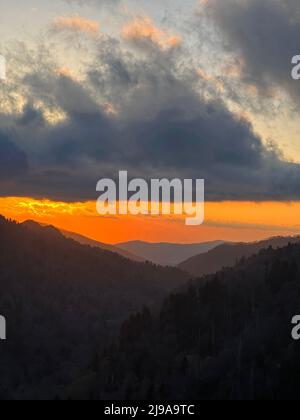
{"type": "Point", "coordinates": [162, 127]}
{"type": "Point", "coordinates": [266, 35]}
{"type": "Point", "coordinates": [13, 162]}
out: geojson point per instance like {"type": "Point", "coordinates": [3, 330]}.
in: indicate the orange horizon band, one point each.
{"type": "Point", "coordinates": [232, 221]}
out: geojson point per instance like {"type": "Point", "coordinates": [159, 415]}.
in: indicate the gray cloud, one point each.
{"type": "Point", "coordinates": [13, 162]}
{"type": "Point", "coordinates": [266, 35]}
{"type": "Point", "coordinates": [162, 127]}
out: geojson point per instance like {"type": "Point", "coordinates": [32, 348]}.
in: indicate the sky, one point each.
{"type": "Point", "coordinates": [170, 88]}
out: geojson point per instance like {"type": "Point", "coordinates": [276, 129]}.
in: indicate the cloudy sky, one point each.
{"type": "Point", "coordinates": [173, 88]}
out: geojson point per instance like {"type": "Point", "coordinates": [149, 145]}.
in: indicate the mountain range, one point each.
{"type": "Point", "coordinates": [167, 254]}
{"type": "Point", "coordinates": [83, 240]}
{"type": "Point", "coordinates": [86, 323]}
{"type": "Point", "coordinates": [222, 337]}
{"type": "Point", "coordinates": [86, 241]}
{"type": "Point", "coordinates": [164, 254]}
{"type": "Point", "coordinates": [227, 255]}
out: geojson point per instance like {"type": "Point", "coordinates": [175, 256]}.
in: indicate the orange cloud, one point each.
{"type": "Point", "coordinates": [143, 28]}
{"type": "Point", "coordinates": [233, 70]}
{"type": "Point", "coordinates": [232, 221]}
{"type": "Point", "coordinates": [217, 83]}
{"type": "Point", "coordinates": [76, 24]}
{"type": "Point", "coordinates": [65, 72]}
{"type": "Point", "coordinates": [109, 109]}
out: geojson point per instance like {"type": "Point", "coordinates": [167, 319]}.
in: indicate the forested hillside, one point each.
{"type": "Point", "coordinates": [227, 336]}
{"type": "Point", "coordinates": [63, 300]}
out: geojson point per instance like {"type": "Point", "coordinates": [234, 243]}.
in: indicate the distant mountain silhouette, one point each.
{"type": "Point", "coordinates": [62, 300]}
{"type": "Point", "coordinates": [83, 240]}
{"type": "Point", "coordinates": [87, 241]}
{"type": "Point", "coordinates": [167, 254]}
{"type": "Point", "coordinates": [225, 337]}
{"type": "Point", "coordinates": [227, 255]}
{"type": "Point", "coordinates": [47, 229]}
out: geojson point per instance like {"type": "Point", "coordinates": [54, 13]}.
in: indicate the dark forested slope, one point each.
{"type": "Point", "coordinates": [227, 336]}
{"type": "Point", "coordinates": [62, 300]}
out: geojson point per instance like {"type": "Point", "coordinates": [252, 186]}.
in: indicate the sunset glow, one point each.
{"type": "Point", "coordinates": [232, 221]}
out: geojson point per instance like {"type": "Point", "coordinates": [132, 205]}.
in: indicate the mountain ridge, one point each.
{"type": "Point", "coordinates": [227, 255]}
{"type": "Point", "coordinates": [166, 253]}
{"type": "Point", "coordinates": [83, 240]}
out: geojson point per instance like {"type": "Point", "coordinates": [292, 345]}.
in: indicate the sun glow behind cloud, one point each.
{"type": "Point", "coordinates": [232, 221]}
